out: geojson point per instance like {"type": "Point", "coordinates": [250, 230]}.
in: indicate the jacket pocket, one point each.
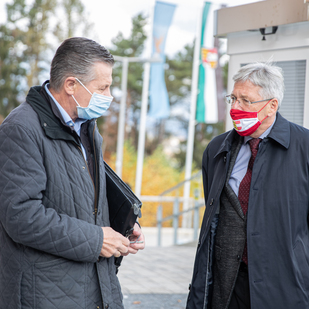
{"type": "Point", "coordinates": [59, 283]}
{"type": "Point", "coordinates": [302, 263]}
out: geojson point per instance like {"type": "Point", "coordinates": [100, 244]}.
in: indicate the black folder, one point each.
{"type": "Point", "coordinates": [124, 206]}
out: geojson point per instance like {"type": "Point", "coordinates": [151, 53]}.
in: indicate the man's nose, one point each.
{"type": "Point", "coordinates": [236, 104]}
{"type": "Point", "coordinates": [107, 92]}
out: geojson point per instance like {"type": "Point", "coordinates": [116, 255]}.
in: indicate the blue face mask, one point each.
{"type": "Point", "coordinates": [97, 106]}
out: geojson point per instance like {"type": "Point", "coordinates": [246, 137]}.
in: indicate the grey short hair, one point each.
{"type": "Point", "coordinates": [76, 57]}
{"type": "Point", "coordinates": [265, 75]}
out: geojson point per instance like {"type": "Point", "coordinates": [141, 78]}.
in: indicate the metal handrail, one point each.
{"type": "Point", "coordinates": [196, 175]}
{"type": "Point", "coordinates": [175, 217]}
{"type": "Point", "coordinates": [181, 213]}
{"type": "Point", "coordinates": [176, 213]}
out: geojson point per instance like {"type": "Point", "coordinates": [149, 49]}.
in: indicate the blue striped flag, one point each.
{"type": "Point", "coordinates": [159, 102]}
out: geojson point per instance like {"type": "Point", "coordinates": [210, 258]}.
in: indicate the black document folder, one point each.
{"type": "Point", "coordinates": [124, 206]}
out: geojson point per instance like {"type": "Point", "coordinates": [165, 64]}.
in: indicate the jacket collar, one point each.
{"type": "Point", "coordinates": [280, 133]}
{"type": "Point", "coordinates": [49, 116]}
{"type": "Point", "coordinates": [227, 143]}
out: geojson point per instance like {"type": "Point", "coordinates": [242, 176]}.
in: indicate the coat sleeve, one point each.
{"type": "Point", "coordinates": [22, 214]}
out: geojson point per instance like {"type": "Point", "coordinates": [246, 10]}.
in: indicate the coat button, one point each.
{"type": "Point", "coordinates": [211, 202]}
{"type": "Point", "coordinates": [238, 257]}
{"type": "Point", "coordinates": [106, 306]}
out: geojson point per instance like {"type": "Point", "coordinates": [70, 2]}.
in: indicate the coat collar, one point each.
{"type": "Point", "coordinates": [281, 131]}
{"type": "Point", "coordinates": [227, 143]}
{"type": "Point", "coordinates": [49, 116]}
{"type": "Point", "coordinates": [50, 123]}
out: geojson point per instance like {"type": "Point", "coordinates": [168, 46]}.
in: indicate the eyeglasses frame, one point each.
{"type": "Point", "coordinates": [229, 95]}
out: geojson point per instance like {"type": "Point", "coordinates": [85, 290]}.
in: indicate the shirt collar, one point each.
{"type": "Point", "coordinates": [67, 119]}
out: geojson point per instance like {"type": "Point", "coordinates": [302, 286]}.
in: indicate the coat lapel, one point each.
{"type": "Point", "coordinates": [228, 189]}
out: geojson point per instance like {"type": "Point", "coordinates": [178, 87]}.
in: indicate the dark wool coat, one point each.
{"type": "Point", "coordinates": [49, 234]}
{"type": "Point", "coordinates": [277, 219]}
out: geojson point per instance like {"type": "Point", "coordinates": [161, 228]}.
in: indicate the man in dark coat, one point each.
{"type": "Point", "coordinates": [57, 246]}
{"type": "Point", "coordinates": [253, 250]}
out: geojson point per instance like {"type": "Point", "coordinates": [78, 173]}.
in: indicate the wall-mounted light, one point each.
{"type": "Point", "coordinates": [263, 32]}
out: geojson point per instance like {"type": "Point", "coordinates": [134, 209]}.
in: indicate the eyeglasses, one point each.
{"type": "Point", "coordinates": [231, 100]}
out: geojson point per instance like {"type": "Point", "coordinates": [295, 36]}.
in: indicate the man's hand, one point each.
{"type": "Point", "coordinates": [114, 244]}
{"type": "Point", "coordinates": [137, 240]}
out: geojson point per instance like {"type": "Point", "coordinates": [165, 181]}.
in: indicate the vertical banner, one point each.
{"type": "Point", "coordinates": [207, 104]}
{"type": "Point", "coordinates": [159, 102]}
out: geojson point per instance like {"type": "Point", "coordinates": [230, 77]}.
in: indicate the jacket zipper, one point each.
{"type": "Point", "coordinates": [205, 305]}
{"type": "Point", "coordinates": [96, 175]}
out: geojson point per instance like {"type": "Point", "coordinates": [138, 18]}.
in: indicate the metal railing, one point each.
{"type": "Point", "coordinates": [197, 202]}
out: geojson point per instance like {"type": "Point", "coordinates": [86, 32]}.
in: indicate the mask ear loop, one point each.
{"type": "Point", "coordinates": [75, 100]}
{"type": "Point", "coordinates": [263, 107]}
{"type": "Point", "coordinates": [83, 85]}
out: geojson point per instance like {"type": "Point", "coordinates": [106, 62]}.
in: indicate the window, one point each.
{"type": "Point", "coordinates": [292, 106]}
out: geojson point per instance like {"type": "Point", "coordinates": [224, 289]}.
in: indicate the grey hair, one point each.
{"type": "Point", "coordinates": [265, 75]}
{"type": "Point", "coordinates": [76, 57]}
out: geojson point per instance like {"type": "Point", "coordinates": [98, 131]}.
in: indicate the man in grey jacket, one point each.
{"type": "Point", "coordinates": [57, 246]}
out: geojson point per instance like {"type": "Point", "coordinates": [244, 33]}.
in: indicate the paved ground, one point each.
{"type": "Point", "coordinates": [157, 277]}
{"type": "Point", "coordinates": [155, 301]}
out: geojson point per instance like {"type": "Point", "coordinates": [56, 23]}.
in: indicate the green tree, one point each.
{"type": "Point", "coordinates": [75, 20]}
{"type": "Point", "coordinates": [37, 18]}
{"type": "Point", "coordinates": [23, 41]}
{"type": "Point", "coordinates": [25, 44]}
{"type": "Point", "coordinates": [204, 133]}
{"type": "Point", "coordinates": [178, 74]}
{"type": "Point", "coordinates": [132, 46]}
{"type": "Point", "coordinates": [11, 72]}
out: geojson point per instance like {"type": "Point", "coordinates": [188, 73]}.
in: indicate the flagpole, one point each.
{"type": "Point", "coordinates": [144, 106]}
{"type": "Point", "coordinates": [122, 113]}
{"type": "Point", "coordinates": [192, 122]}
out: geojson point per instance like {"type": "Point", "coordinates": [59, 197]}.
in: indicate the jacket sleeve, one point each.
{"type": "Point", "coordinates": [22, 214]}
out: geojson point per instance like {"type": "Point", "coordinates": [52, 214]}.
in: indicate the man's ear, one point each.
{"type": "Point", "coordinates": [70, 85]}
{"type": "Point", "coordinates": [273, 107]}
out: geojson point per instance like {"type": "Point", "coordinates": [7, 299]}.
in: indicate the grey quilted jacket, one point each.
{"type": "Point", "coordinates": [50, 234]}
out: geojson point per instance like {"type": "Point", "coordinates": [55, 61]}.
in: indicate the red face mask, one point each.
{"type": "Point", "coordinates": [246, 123]}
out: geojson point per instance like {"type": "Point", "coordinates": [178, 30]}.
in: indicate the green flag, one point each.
{"type": "Point", "coordinates": [207, 105]}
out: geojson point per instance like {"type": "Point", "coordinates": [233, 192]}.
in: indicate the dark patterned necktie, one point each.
{"type": "Point", "coordinates": [244, 187]}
